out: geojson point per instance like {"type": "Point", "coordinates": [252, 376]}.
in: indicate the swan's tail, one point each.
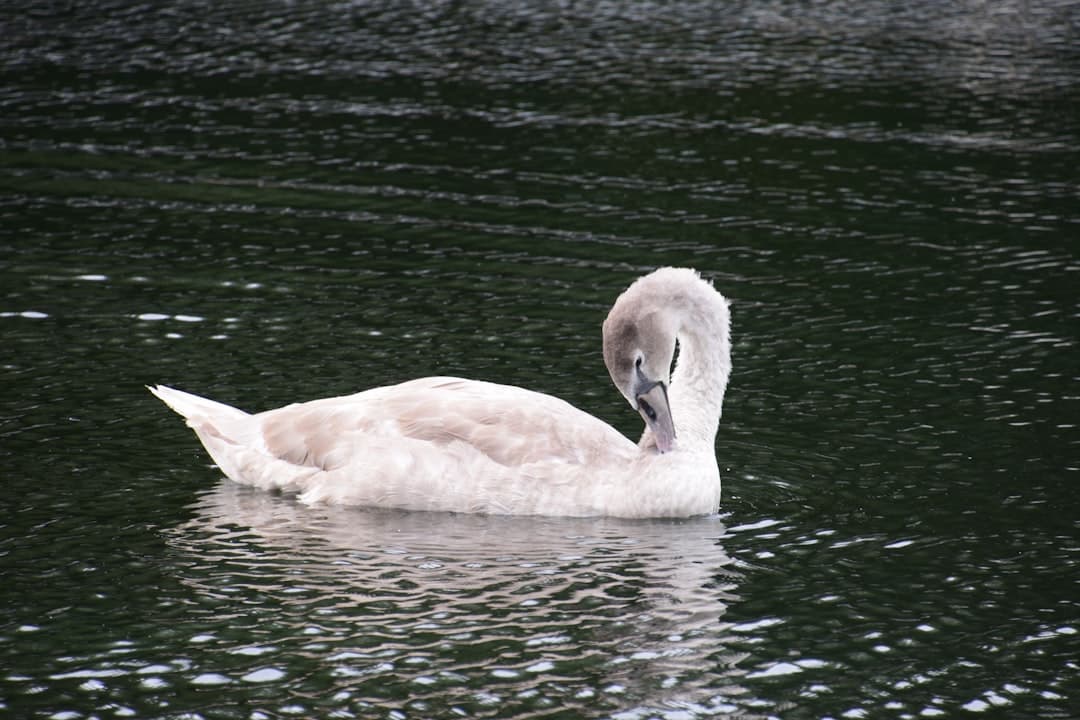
{"type": "Point", "coordinates": [224, 430]}
{"type": "Point", "coordinates": [193, 407]}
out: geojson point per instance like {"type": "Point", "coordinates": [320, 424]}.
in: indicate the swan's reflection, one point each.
{"type": "Point", "coordinates": [575, 604]}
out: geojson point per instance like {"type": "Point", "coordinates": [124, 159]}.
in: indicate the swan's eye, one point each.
{"type": "Point", "coordinates": [647, 409]}
{"type": "Point", "coordinates": [637, 363]}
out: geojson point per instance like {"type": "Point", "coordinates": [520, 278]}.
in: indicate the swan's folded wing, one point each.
{"type": "Point", "coordinates": [440, 443]}
{"type": "Point", "coordinates": [508, 425]}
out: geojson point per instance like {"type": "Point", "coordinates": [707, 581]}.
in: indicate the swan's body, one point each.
{"type": "Point", "coordinates": [468, 446]}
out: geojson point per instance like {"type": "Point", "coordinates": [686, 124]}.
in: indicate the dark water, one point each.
{"type": "Point", "coordinates": [266, 202]}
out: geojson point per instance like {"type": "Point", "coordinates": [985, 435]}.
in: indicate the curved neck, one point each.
{"type": "Point", "coordinates": [702, 369]}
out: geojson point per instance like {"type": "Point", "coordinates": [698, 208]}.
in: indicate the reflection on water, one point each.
{"type": "Point", "coordinates": [553, 611]}
{"type": "Point", "coordinates": [460, 611]}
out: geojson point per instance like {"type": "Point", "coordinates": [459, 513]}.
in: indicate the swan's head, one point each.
{"type": "Point", "coordinates": [639, 346]}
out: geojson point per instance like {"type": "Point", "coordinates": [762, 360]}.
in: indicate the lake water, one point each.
{"type": "Point", "coordinates": [268, 202]}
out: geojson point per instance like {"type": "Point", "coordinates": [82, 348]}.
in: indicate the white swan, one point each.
{"type": "Point", "coordinates": [444, 443]}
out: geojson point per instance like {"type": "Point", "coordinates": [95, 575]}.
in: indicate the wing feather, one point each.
{"type": "Point", "coordinates": [508, 425]}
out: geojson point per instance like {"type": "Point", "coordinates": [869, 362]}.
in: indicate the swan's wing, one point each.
{"type": "Point", "coordinates": [434, 443]}
{"type": "Point", "coordinates": [507, 425]}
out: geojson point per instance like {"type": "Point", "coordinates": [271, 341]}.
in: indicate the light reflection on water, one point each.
{"type": "Point", "coordinates": [271, 203]}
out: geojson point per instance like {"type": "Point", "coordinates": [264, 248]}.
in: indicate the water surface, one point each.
{"type": "Point", "coordinates": [272, 202]}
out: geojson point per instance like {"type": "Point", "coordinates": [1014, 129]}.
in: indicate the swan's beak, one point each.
{"type": "Point", "coordinates": [652, 403]}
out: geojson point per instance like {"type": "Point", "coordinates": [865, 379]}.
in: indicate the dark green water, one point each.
{"type": "Point", "coordinates": [268, 202]}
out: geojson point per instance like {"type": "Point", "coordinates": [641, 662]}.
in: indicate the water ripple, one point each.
{"type": "Point", "coordinates": [365, 609]}
{"type": "Point", "coordinates": [269, 202]}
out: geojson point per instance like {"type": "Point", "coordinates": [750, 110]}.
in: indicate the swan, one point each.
{"type": "Point", "coordinates": [448, 444]}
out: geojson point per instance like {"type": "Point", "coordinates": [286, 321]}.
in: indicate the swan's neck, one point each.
{"type": "Point", "coordinates": [702, 370]}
